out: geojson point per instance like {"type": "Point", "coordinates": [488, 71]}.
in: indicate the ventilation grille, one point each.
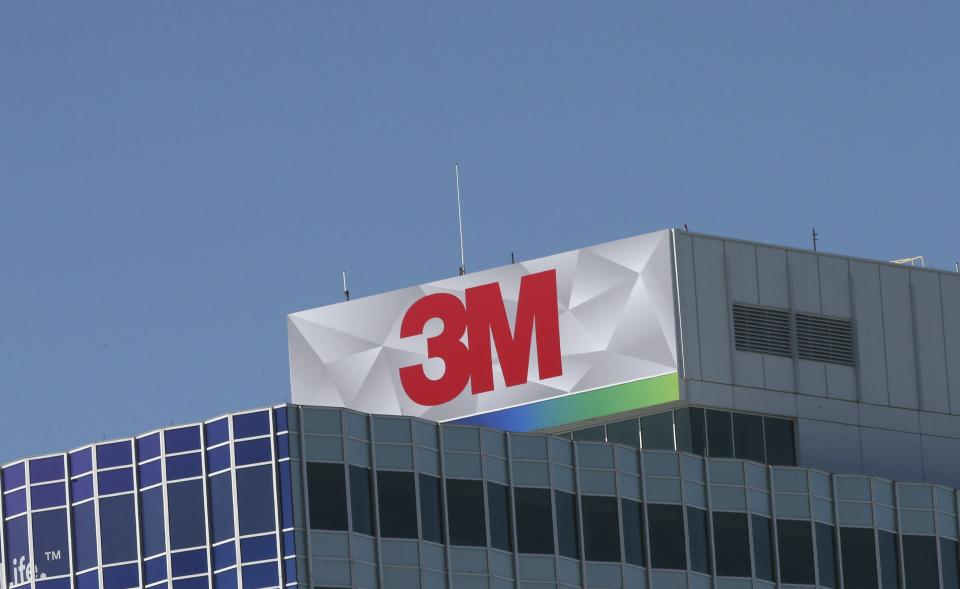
{"type": "Point", "coordinates": [762, 330]}
{"type": "Point", "coordinates": [824, 339]}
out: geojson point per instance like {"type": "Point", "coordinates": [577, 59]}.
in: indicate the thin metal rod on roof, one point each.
{"type": "Point", "coordinates": [456, 172]}
{"type": "Point", "coordinates": [814, 235]}
{"type": "Point", "coordinates": [346, 291]}
{"type": "Point", "coordinates": [912, 261]}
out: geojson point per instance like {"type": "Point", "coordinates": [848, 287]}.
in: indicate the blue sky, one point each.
{"type": "Point", "coordinates": [176, 177]}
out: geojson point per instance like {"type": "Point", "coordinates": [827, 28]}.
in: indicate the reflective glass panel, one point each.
{"type": "Point", "coordinates": [889, 560]}
{"type": "Point", "coordinates": [780, 443]}
{"type": "Point", "coordinates": [431, 508]}
{"type": "Point", "coordinates": [592, 434]}
{"type": "Point", "coordinates": [255, 508]}
{"type": "Point", "coordinates": [498, 498]}
{"type": "Point", "coordinates": [762, 547]}
{"type": "Point", "coordinates": [667, 543]}
{"type": "Point", "coordinates": [948, 564]}
{"type": "Point", "coordinates": [568, 534]}
{"type": "Point", "coordinates": [732, 542]}
{"type": "Point", "coordinates": [328, 496]}
{"type": "Point", "coordinates": [859, 558]}
{"type": "Point", "coordinates": [699, 540]}
{"type": "Point", "coordinates": [632, 513]}
{"type": "Point", "coordinates": [624, 432]}
{"type": "Point", "coordinates": [118, 530]}
{"type": "Point", "coordinates": [85, 536]}
{"type": "Point", "coordinates": [361, 499]}
{"type": "Point", "coordinates": [719, 434]}
{"type": "Point", "coordinates": [534, 520]}
{"type": "Point", "coordinates": [397, 498]}
{"type": "Point", "coordinates": [826, 555]}
{"type": "Point", "coordinates": [748, 437]}
{"type": "Point", "coordinates": [465, 512]}
{"type": "Point", "coordinates": [690, 430]}
{"type": "Point", "coordinates": [185, 512]}
{"type": "Point", "coordinates": [151, 521]}
{"type": "Point", "coordinates": [656, 431]}
{"type": "Point", "coordinates": [920, 562]}
{"type": "Point", "coordinates": [795, 543]}
{"type": "Point", "coordinates": [601, 528]}
{"type": "Point", "coordinates": [51, 548]}
{"type": "Point", "coordinates": [221, 507]}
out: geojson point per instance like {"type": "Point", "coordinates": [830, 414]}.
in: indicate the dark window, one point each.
{"type": "Point", "coordinates": [719, 434]}
{"type": "Point", "coordinates": [762, 548]}
{"type": "Point", "coordinates": [920, 562]}
{"type": "Point", "coordinates": [732, 543]}
{"type": "Point", "coordinates": [690, 430]}
{"type": "Point", "coordinates": [534, 520]}
{"type": "Point", "coordinates": [826, 555]}
{"type": "Point", "coordinates": [221, 507]}
{"type": "Point", "coordinates": [657, 431]}
{"type": "Point", "coordinates": [118, 531]}
{"type": "Point", "coordinates": [780, 443]}
{"type": "Point", "coordinates": [601, 524]}
{"type": "Point", "coordinates": [698, 531]}
{"type": "Point", "coordinates": [859, 558]}
{"type": "Point", "coordinates": [948, 564]}
{"type": "Point", "coordinates": [255, 508]}
{"type": "Point", "coordinates": [795, 543]}
{"type": "Point", "coordinates": [431, 508]}
{"type": "Point", "coordinates": [592, 434]}
{"type": "Point", "coordinates": [84, 536]}
{"type": "Point", "coordinates": [498, 498]}
{"type": "Point", "coordinates": [152, 529]}
{"type": "Point", "coordinates": [568, 535]}
{"type": "Point", "coordinates": [624, 432]}
{"type": "Point", "coordinates": [748, 437]}
{"type": "Point", "coordinates": [465, 513]}
{"type": "Point", "coordinates": [633, 532]}
{"type": "Point", "coordinates": [668, 548]}
{"type": "Point", "coordinates": [328, 496]}
{"type": "Point", "coordinates": [397, 498]}
{"type": "Point", "coordinates": [889, 560]}
{"type": "Point", "coordinates": [185, 512]}
{"type": "Point", "coordinates": [361, 500]}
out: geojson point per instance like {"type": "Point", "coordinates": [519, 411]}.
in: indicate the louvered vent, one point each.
{"type": "Point", "coordinates": [762, 329]}
{"type": "Point", "coordinates": [824, 339]}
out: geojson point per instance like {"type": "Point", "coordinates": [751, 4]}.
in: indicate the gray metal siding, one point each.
{"type": "Point", "coordinates": [868, 321]}
{"type": "Point", "coordinates": [898, 337]}
{"type": "Point", "coordinates": [713, 313]}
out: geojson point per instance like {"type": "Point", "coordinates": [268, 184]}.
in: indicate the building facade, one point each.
{"type": "Point", "coordinates": [673, 410]}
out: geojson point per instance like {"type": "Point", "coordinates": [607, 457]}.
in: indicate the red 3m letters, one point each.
{"type": "Point", "coordinates": [484, 315]}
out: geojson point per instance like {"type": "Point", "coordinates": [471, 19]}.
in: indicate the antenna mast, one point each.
{"type": "Point", "coordinates": [346, 291]}
{"type": "Point", "coordinates": [456, 171]}
{"type": "Point", "coordinates": [814, 235]}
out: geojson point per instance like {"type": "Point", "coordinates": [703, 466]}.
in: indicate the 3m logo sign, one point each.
{"type": "Point", "coordinates": [483, 317]}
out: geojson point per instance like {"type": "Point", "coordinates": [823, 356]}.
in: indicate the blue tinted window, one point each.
{"type": "Point", "coordinates": [191, 583]}
{"type": "Point", "coordinates": [46, 469]}
{"type": "Point", "coordinates": [85, 536]}
{"type": "Point", "coordinates": [221, 507]}
{"type": "Point", "coordinates": [118, 532]}
{"type": "Point", "coordinates": [218, 459]}
{"type": "Point", "coordinates": [251, 424]}
{"type": "Point", "coordinates": [13, 476]}
{"type": "Point", "coordinates": [17, 546]}
{"type": "Point", "coordinates": [224, 555]}
{"type": "Point", "coordinates": [258, 548]}
{"type": "Point", "coordinates": [82, 488]}
{"type": "Point", "coordinates": [81, 461]}
{"type": "Point", "coordinates": [280, 418]}
{"type": "Point", "coordinates": [148, 447]}
{"type": "Point", "coordinates": [114, 454]}
{"type": "Point", "coordinates": [182, 439]}
{"type": "Point", "coordinates": [50, 538]}
{"type": "Point", "coordinates": [50, 495]}
{"type": "Point", "coordinates": [121, 577]}
{"type": "Point", "coordinates": [252, 451]}
{"type": "Point", "coordinates": [15, 503]}
{"type": "Point", "coordinates": [286, 496]}
{"type": "Point", "coordinates": [289, 545]}
{"type": "Point", "coordinates": [225, 580]}
{"type": "Point", "coordinates": [283, 446]}
{"type": "Point", "coordinates": [184, 466]}
{"type": "Point", "coordinates": [151, 514]}
{"type": "Point", "coordinates": [154, 570]}
{"type": "Point", "coordinates": [149, 474]}
{"type": "Point", "coordinates": [115, 481]}
{"type": "Point", "coordinates": [185, 508]}
{"type": "Point", "coordinates": [260, 575]}
{"type": "Point", "coordinates": [192, 562]}
{"type": "Point", "coordinates": [255, 500]}
{"type": "Point", "coordinates": [217, 432]}
{"type": "Point", "coordinates": [88, 580]}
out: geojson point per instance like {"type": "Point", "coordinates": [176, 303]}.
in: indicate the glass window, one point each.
{"type": "Point", "coordinates": [657, 431]}
{"type": "Point", "coordinates": [221, 507]}
{"type": "Point", "coordinates": [18, 546]}
{"type": "Point", "coordinates": [889, 560]}
{"type": "Point", "coordinates": [50, 541]}
{"type": "Point", "coordinates": [668, 548]}
{"type": "Point", "coordinates": [361, 500]}
{"type": "Point", "coordinates": [719, 434]}
{"type": "Point", "coordinates": [328, 496]}
{"type": "Point", "coordinates": [217, 432]}
{"type": "Point", "coordinates": [795, 543]}
{"type": "Point", "coordinates": [255, 508]}
{"type": "Point", "coordinates": [632, 514]}
{"type": "Point", "coordinates": [180, 439]}
{"type": "Point", "coordinates": [398, 500]}
{"type": "Point", "coordinates": [46, 469]}
{"type": "Point", "coordinates": [920, 561]}
{"type": "Point", "coordinates": [690, 430]}
{"type": "Point", "coordinates": [568, 534]}
{"type": "Point", "coordinates": [591, 434]}
{"type": "Point", "coordinates": [762, 548]}
{"type": "Point", "coordinates": [465, 513]}
{"type": "Point", "coordinates": [498, 498]}
{"type": "Point", "coordinates": [826, 555]}
{"type": "Point", "coordinates": [859, 558]}
{"type": "Point", "coordinates": [748, 437]}
{"type": "Point", "coordinates": [115, 481]}
{"type": "Point", "coordinates": [948, 564]}
{"type": "Point", "coordinates": [699, 540]}
{"type": "Point", "coordinates": [151, 522]}
{"type": "Point", "coordinates": [114, 454]}
{"type": "Point", "coordinates": [84, 536]}
{"type": "Point", "coordinates": [185, 512]}
{"type": "Point", "coordinates": [431, 508]}
{"type": "Point", "coordinates": [247, 425]}
{"type": "Point", "coordinates": [601, 526]}
{"type": "Point", "coordinates": [148, 447]}
{"type": "Point", "coordinates": [624, 432]}
{"type": "Point", "coordinates": [253, 451]}
{"type": "Point", "coordinates": [778, 434]}
{"type": "Point", "coordinates": [534, 520]}
{"type": "Point", "coordinates": [118, 530]}
{"type": "Point", "coordinates": [732, 543]}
